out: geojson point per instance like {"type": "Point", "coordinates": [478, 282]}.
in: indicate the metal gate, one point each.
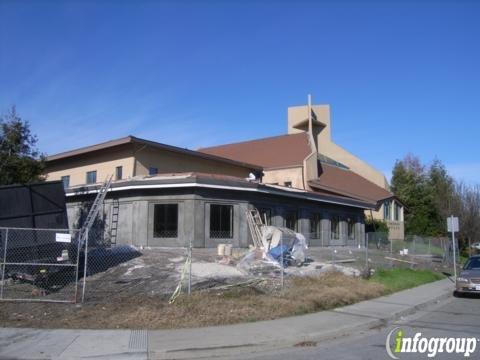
{"type": "Point", "coordinates": [40, 264]}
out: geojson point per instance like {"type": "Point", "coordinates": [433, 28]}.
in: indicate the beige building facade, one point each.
{"type": "Point", "coordinates": [312, 162]}
{"type": "Point", "coordinates": [131, 157]}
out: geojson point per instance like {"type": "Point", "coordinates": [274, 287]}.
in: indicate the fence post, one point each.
{"type": "Point", "coordinates": [4, 261]}
{"type": "Point", "coordinates": [87, 234]}
{"type": "Point", "coordinates": [429, 246]}
{"type": "Point", "coordinates": [283, 263]}
{"type": "Point", "coordinates": [366, 253]}
{"type": "Point", "coordinates": [190, 267]}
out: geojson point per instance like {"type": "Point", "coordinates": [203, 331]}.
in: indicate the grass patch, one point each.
{"type": "Point", "coordinates": [203, 308]}
{"type": "Point", "coordinates": [301, 295]}
{"type": "Point", "coordinates": [403, 278]}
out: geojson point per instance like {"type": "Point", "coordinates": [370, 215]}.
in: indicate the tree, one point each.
{"type": "Point", "coordinates": [467, 208]}
{"type": "Point", "coordinates": [411, 184]}
{"type": "Point", "coordinates": [445, 195]}
{"type": "Point", "coordinates": [20, 160]}
{"type": "Point", "coordinates": [431, 195]}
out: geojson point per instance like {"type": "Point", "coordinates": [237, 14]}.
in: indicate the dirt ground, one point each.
{"type": "Point", "coordinates": [131, 288]}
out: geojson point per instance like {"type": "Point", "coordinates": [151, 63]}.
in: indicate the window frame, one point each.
{"type": "Point", "coordinates": [315, 226]}
{"type": "Point", "coordinates": [267, 211]}
{"type": "Point", "coordinates": [66, 184]}
{"type": "Point", "coordinates": [351, 228]}
{"type": "Point", "coordinates": [335, 234]}
{"type": "Point", "coordinates": [167, 233]}
{"type": "Point", "coordinates": [222, 231]}
{"type": "Point", "coordinates": [387, 210]}
{"type": "Point", "coordinates": [285, 219]}
{"type": "Point", "coordinates": [152, 171]}
{"type": "Point", "coordinates": [119, 171]}
{"type": "Point", "coordinates": [88, 173]}
{"type": "Point", "coordinates": [397, 212]}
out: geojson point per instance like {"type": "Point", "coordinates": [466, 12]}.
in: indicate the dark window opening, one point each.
{"type": "Point", "coordinates": [335, 228]}
{"type": "Point", "coordinates": [291, 220]}
{"type": "Point", "coordinates": [351, 229]}
{"type": "Point", "coordinates": [386, 210]}
{"type": "Point", "coordinates": [165, 221]}
{"type": "Point", "coordinates": [92, 177]}
{"type": "Point", "coordinates": [288, 183]}
{"type": "Point", "coordinates": [152, 171]}
{"type": "Point", "coordinates": [221, 221]}
{"type": "Point", "coordinates": [66, 181]}
{"type": "Point", "coordinates": [118, 172]}
{"type": "Point", "coordinates": [266, 215]}
{"type": "Point", "coordinates": [315, 226]}
{"type": "Point", "coordinates": [397, 212]}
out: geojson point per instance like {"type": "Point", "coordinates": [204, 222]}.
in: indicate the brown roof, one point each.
{"type": "Point", "coordinates": [220, 182]}
{"type": "Point", "coordinates": [347, 183]}
{"type": "Point", "coordinates": [271, 152]}
{"type": "Point", "coordinates": [132, 139]}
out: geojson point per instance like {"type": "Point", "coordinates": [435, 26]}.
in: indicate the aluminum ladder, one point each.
{"type": "Point", "coordinates": [92, 214]}
{"type": "Point", "coordinates": [255, 225]}
{"type": "Point", "coordinates": [114, 222]}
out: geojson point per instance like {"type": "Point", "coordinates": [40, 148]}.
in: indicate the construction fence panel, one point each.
{"type": "Point", "coordinates": [123, 273]}
{"type": "Point", "coordinates": [39, 265]}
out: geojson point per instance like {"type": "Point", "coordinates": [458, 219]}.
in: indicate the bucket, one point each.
{"type": "Point", "coordinates": [228, 250]}
{"type": "Point", "coordinates": [221, 249]}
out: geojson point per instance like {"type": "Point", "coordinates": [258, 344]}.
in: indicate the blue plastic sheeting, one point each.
{"type": "Point", "coordinates": [281, 253]}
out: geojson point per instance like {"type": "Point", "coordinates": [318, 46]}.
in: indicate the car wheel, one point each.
{"type": "Point", "coordinates": [457, 294]}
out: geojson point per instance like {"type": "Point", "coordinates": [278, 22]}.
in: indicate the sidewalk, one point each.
{"type": "Point", "coordinates": [221, 340]}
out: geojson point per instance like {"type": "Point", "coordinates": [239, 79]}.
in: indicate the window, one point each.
{"type": "Point", "coordinates": [335, 228]}
{"type": "Point", "coordinates": [288, 183]}
{"type": "Point", "coordinates": [397, 212]}
{"type": "Point", "coordinates": [152, 171]}
{"type": "Point", "coordinates": [118, 172]}
{"type": "Point", "coordinates": [91, 177]}
{"type": "Point", "coordinates": [221, 221]}
{"type": "Point", "coordinates": [386, 210]}
{"type": "Point", "coordinates": [266, 215]}
{"type": "Point", "coordinates": [351, 229]}
{"type": "Point", "coordinates": [66, 181]}
{"type": "Point", "coordinates": [315, 226]}
{"type": "Point", "coordinates": [165, 221]}
{"type": "Point", "coordinates": [291, 220]}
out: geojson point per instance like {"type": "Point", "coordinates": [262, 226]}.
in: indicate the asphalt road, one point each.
{"type": "Point", "coordinates": [454, 317]}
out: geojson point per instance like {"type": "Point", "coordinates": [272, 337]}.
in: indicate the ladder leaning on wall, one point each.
{"type": "Point", "coordinates": [93, 213]}
{"type": "Point", "coordinates": [255, 225]}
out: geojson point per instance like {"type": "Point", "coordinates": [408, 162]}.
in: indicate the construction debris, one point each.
{"type": "Point", "coordinates": [274, 247]}
{"type": "Point", "coordinates": [404, 261]}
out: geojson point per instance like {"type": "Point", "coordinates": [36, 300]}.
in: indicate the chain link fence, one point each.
{"type": "Point", "coordinates": [52, 265]}
{"type": "Point", "coordinates": [39, 264]}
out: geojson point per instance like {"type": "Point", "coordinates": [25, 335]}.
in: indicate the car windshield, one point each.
{"type": "Point", "coordinates": [473, 264]}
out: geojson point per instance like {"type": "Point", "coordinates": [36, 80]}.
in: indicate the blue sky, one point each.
{"type": "Point", "coordinates": [400, 76]}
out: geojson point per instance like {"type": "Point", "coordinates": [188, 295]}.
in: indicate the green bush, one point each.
{"type": "Point", "coordinates": [374, 225]}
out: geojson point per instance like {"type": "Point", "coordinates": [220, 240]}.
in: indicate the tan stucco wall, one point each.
{"type": "Point", "coordinates": [396, 228]}
{"type": "Point", "coordinates": [171, 162]}
{"type": "Point", "coordinates": [104, 162]}
{"type": "Point", "coordinates": [280, 176]}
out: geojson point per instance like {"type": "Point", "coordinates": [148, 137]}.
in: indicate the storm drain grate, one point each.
{"type": "Point", "coordinates": [138, 340]}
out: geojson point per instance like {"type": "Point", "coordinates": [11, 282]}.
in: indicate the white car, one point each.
{"type": "Point", "coordinates": [475, 246]}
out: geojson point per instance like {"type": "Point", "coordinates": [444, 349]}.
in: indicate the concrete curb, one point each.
{"type": "Point", "coordinates": [359, 322]}
{"type": "Point", "coordinates": [221, 341]}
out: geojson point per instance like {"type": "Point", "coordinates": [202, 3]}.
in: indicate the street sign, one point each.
{"type": "Point", "coordinates": [452, 224]}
